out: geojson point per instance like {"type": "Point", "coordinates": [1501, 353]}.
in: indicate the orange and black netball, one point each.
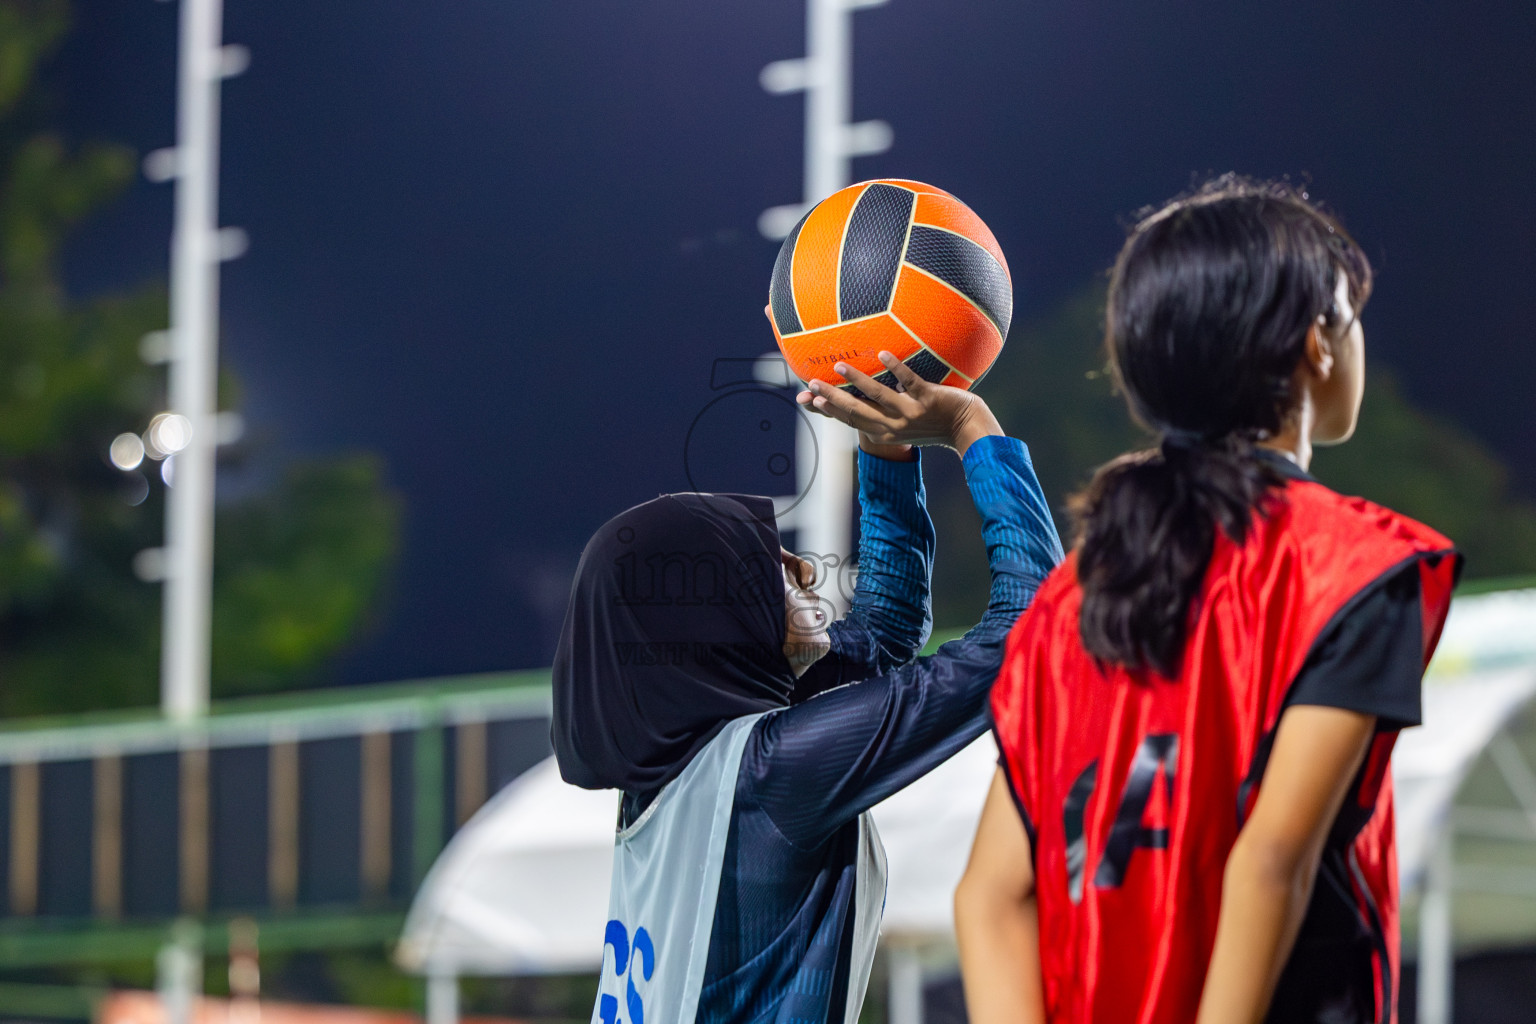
{"type": "Point", "coordinates": [891, 265]}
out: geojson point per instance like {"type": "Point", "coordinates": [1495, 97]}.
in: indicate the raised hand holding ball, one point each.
{"type": "Point", "coordinates": [918, 413]}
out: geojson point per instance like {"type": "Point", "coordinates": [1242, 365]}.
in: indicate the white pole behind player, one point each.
{"type": "Point", "coordinates": [824, 453]}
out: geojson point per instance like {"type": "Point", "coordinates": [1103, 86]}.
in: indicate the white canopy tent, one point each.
{"type": "Point", "coordinates": [522, 888]}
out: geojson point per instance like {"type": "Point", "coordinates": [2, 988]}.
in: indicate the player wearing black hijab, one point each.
{"type": "Point", "coordinates": [692, 674]}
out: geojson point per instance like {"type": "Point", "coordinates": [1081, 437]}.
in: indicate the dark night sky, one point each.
{"type": "Point", "coordinates": [500, 242]}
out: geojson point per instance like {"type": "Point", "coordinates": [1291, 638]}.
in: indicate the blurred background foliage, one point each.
{"type": "Point", "coordinates": [1050, 387]}
{"type": "Point", "coordinates": [301, 557]}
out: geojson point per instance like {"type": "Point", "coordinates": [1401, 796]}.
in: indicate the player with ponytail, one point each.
{"type": "Point", "coordinates": [1192, 816]}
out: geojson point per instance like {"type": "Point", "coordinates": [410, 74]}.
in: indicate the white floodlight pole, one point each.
{"type": "Point", "coordinates": [197, 247]}
{"type": "Point", "coordinates": [442, 998]}
{"type": "Point", "coordinates": [821, 519]}
{"type": "Point", "coordinates": [905, 984]}
{"type": "Point", "coordinates": [179, 973]}
{"type": "Point", "coordinates": [1437, 949]}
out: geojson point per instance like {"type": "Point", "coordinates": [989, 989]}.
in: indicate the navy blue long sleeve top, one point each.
{"type": "Point", "coordinates": [780, 946]}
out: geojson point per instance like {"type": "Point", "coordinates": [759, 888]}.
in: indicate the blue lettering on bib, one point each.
{"type": "Point", "coordinates": [624, 966]}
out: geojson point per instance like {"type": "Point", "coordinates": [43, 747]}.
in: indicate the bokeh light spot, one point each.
{"type": "Point", "coordinates": [126, 452]}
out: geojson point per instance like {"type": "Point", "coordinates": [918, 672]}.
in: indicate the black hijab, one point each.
{"type": "Point", "coordinates": [675, 627]}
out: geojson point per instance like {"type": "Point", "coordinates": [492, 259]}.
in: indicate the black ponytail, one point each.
{"type": "Point", "coordinates": [1209, 305]}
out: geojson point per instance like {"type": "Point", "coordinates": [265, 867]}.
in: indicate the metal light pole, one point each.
{"type": "Point", "coordinates": [442, 999]}
{"type": "Point", "coordinates": [1437, 950]}
{"type": "Point", "coordinates": [821, 518]}
{"type": "Point", "coordinates": [197, 247]}
{"type": "Point", "coordinates": [905, 985]}
{"type": "Point", "coordinates": [179, 972]}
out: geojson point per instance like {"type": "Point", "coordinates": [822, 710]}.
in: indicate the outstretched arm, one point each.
{"type": "Point", "coordinates": [822, 762]}
{"type": "Point", "coordinates": [890, 615]}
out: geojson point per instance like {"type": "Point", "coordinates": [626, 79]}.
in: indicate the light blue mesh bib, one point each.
{"type": "Point", "coordinates": [666, 878]}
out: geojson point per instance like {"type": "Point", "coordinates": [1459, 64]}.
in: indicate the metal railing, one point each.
{"type": "Point", "coordinates": [315, 813]}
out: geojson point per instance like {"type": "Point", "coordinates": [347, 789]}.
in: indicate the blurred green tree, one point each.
{"type": "Point", "coordinates": [299, 560]}
{"type": "Point", "coordinates": [1050, 387]}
